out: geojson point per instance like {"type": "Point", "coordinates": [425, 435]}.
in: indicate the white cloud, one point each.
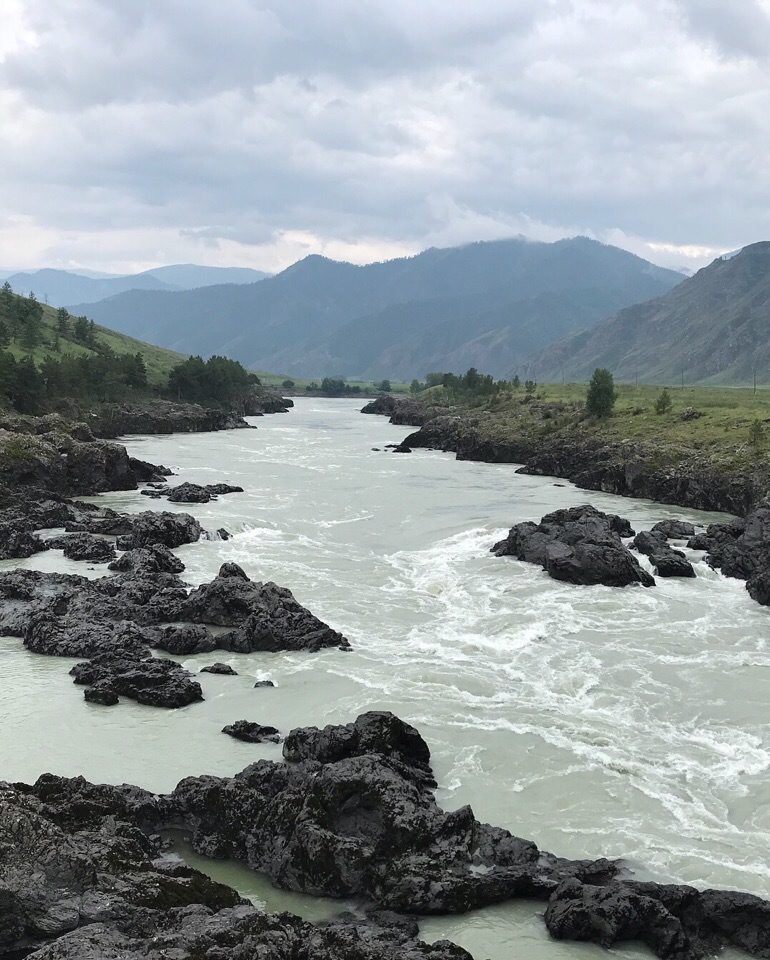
{"type": "Point", "coordinates": [260, 131]}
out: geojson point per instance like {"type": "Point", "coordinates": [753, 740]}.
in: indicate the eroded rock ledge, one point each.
{"type": "Point", "coordinates": [352, 815]}
{"type": "Point", "coordinates": [115, 621]}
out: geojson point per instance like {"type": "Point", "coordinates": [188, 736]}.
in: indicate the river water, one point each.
{"type": "Point", "coordinates": [595, 721]}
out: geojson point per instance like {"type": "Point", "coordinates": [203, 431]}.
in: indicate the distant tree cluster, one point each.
{"type": "Point", "coordinates": [334, 387]}
{"type": "Point", "coordinates": [217, 381]}
{"type": "Point", "coordinates": [21, 322]}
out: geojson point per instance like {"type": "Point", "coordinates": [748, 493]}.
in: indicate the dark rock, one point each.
{"type": "Point", "coordinates": [379, 732]}
{"type": "Point", "coordinates": [580, 545]}
{"type": "Point", "coordinates": [649, 542]}
{"type": "Point", "coordinates": [17, 543]}
{"type": "Point", "coordinates": [264, 683]}
{"type": "Point", "coordinates": [671, 563]}
{"type": "Point", "coordinates": [148, 472]}
{"type": "Point", "coordinates": [154, 682]}
{"type": "Point", "coordinates": [185, 640]}
{"type": "Point", "coordinates": [84, 877]}
{"type": "Point", "coordinates": [103, 695]}
{"type": "Point", "coordinates": [384, 405]}
{"type": "Point", "coordinates": [84, 546]}
{"type": "Point", "coordinates": [675, 529]}
{"type": "Point", "coordinates": [153, 494]}
{"type": "Point", "coordinates": [223, 668]}
{"type": "Point", "coordinates": [147, 561]}
{"type": "Point", "coordinates": [189, 493]}
{"type": "Point", "coordinates": [220, 489]}
{"type": "Point", "coordinates": [699, 542]}
{"type": "Point", "coordinates": [266, 617]}
{"type": "Point", "coordinates": [741, 549]}
{"type": "Point", "coordinates": [606, 915]}
{"type": "Point", "coordinates": [150, 528]}
{"type": "Point", "coordinates": [402, 448]}
{"type": "Point", "coordinates": [79, 879]}
{"type": "Point", "coordinates": [251, 732]}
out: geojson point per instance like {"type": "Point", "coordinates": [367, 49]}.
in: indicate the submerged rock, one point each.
{"type": "Point", "coordinates": [223, 668]}
{"type": "Point", "coordinates": [251, 732]}
{"type": "Point", "coordinates": [580, 545]}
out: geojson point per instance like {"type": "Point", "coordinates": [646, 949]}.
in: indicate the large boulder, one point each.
{"type": "Point", "coordinates": [580, 545]}
{"type": "Point", "coordinates": [675, 529]}
{"type": "Point", "coordinates": [161, 527]}
{"type": "Point", "coordinates": [151, 681]}
{"type": "Point", "coordinates": [84, 546]}
{"type": "Point", "coordinates": [264, 615]}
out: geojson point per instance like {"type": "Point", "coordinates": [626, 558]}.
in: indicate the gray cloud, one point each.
{"type": "Point", "coordinates": [255, 132]}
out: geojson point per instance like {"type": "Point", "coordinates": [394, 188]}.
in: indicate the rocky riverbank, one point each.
{"type": "Point", "coordinates": [527, 433]}
{"type": "Point", "coordinates": [351, 813]}
{"type": "Point", "coordinates": [739, 549]}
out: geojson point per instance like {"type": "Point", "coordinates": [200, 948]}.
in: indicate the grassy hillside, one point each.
{"type": "Point", "coordinates": [158, 360]}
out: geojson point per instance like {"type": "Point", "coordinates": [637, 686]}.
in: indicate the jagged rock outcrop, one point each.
{"type": "Point", "coordinates": [150, 528]}
{"type": "Point", "coordinates": [82, 869]}
{"type": "Point", "coordinates": [264, 615]}
{"type": "Point", "coordinates": [114, 622]}
{"type": "Point", "coordinates": [741, 548]}
{"type": "Point", "coordinates": [151, 681]}
{"type": "Point", "coordinates": [667, 561]}
{"type": "Point", "coordinates": [580, 545]}
{"type": "Point", "coordinates": [80, 880]}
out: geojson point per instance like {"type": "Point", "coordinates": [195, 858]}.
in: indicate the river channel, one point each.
{"type": "Point", "coordinates": [596, 721]}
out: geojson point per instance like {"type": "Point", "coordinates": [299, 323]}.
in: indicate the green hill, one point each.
{"type": "Point", "coordinates": [55, 339]}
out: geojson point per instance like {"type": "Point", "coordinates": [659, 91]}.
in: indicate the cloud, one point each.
{"type": "Point", "coordinates": [179, 130]}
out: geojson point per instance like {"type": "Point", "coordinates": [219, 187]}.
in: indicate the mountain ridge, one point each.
{"type": "Point", "coordinates": [306, 319]}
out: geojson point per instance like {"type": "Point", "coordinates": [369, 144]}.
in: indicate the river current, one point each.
{"type": "Point", "coordinates": [593, 720]}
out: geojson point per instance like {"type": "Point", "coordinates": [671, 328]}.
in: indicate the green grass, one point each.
{"type": "Point", "coordinates": [719, 431]}
{"type": "Point", "coordinates": [158, 360]}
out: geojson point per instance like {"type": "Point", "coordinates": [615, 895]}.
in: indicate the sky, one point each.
{"type": "Point", "coordinates": [135, 133]}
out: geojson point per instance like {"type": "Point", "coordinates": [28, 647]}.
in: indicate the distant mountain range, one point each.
{"type": "Point", "coordinates": [62, 287]}
{"type": "Point", "coordinates": [488, 305]}
{"type": "Point", "coordinates": [713, 327]}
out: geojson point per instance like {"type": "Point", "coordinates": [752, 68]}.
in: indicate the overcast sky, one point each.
{"type": "Point", "coordinates": [240, 132]}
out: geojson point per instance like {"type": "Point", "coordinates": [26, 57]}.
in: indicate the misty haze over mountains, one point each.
{"type": "Point", "coordinates": [489, 305]}
{"type": "Point", "coordinates": [62, 287]}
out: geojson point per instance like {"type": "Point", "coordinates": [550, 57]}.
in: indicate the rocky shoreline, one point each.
{"type": "Point", "coordinates": [740, 548]}
{"type": "Point", "coordinates": [623, 468]}
{"type": "Point", "coordinates": [350, 813]}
